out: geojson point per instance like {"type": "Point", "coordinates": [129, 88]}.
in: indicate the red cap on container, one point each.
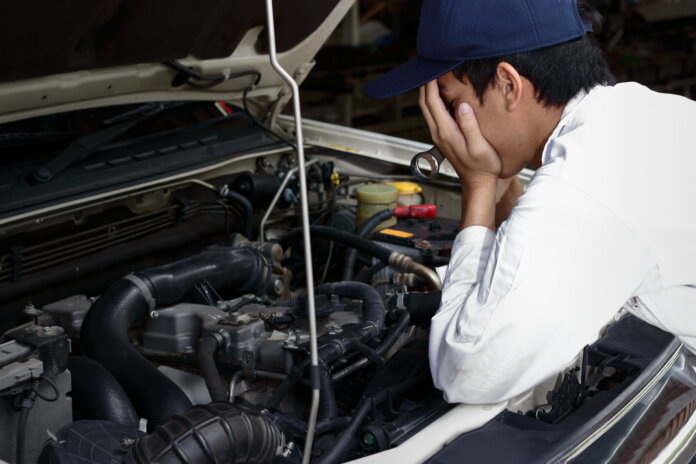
{"type": "Point", "coordinates": [416, 211]}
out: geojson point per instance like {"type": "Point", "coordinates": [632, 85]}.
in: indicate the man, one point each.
{"type": "Point", "coordinates": [606, 221]}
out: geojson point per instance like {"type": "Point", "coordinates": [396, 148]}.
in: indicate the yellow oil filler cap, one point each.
{"type": "Point", "coordinates": [408, 193]}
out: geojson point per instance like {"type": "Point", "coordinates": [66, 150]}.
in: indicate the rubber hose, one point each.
{"type": "Point", "coordinates": [104, 337]}
{"type": "Point", "coordinates": [335, 423]}
{"type": "Point", "coordinates": [104, 333]}
{"type": "Point", "coordinates": [246, 207]}
{"type": "Point", "coordinates": [396, 330]}
{"type": "Point", "coordinates": [328, 409]}
{"type": "Point", "coordinates": [373, 308]}
{"type": "Point", "coordinates": [343, 442]}
{"type": "Point", "coordinates": [347, 238]}
{"type": "Point", "coordinates": [25, 407]}
{"type": "Point", "coordinates": [392, 258]}
{"type": "Point", "coordinates": [290, 380]}
{"type": "Point", "coordinates": [421, 306]}
{"type": "Point", "coordinates": [367, 227]}
{"type": "Point", "coordinates": [244, 268]}
{"type": "Point", "coordinates": [402, 322]}
{"type": "Point", "coordinates": [206, 362]}
{"type": "Point", "coordinates": [97, 394]}
{"type": "Point", "coordinates": [217, 432]}
{"type": "Point", "coordinates": [373, 315]}
{"type": "Point", "coordinates": [366, 274]}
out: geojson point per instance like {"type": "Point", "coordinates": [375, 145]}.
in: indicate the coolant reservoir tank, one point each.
{"type": "Point", "coordinates": [373, 198]}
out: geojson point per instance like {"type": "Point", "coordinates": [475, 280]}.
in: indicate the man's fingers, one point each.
{"type": "Point", "coordinates": [466, 119]}
{"type": "Point", "coordinates": [425, 110]}
{"type": "Point", "coordinates": [446, 126]}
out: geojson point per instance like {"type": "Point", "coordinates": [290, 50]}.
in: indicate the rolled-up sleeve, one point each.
{"type": "Point", "coordinates": [518, 305]}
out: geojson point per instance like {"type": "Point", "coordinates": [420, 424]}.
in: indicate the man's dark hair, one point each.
{"type": "Point", "coordinates": [557, 72]}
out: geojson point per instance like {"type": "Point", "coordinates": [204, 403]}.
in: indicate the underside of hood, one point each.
{"type": "Point", "coordinates": [70, 53]}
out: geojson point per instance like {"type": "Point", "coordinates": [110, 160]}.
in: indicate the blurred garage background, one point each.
{"type": "Point", "coordinates": [652, 42]}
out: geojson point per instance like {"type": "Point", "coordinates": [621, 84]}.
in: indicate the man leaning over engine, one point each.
{"type": "Point", "coordinates": [606, 220]}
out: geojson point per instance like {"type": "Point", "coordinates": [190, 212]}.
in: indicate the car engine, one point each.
{"type": "Point", "coordinates": [170, 324]}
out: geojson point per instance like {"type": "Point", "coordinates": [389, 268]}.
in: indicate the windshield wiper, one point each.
{"type": "Point", "coordinates": [9, 139]}
{"type": "Point", "coordinates": [85, 146]}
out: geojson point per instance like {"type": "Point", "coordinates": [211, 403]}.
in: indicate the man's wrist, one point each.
{"type": "Point", "coordinates": [478, 202]}
{"type": "Point", "coordinates": [480, 183]}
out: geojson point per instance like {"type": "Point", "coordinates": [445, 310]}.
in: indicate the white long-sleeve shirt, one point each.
{"type": "Point", "coordinates": [610, 217]}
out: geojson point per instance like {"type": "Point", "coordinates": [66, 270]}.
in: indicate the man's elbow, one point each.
{"type": "Point", "coordinates": [477, 391]}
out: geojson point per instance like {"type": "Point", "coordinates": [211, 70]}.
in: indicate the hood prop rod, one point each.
{"type": "Point", "coordinates": [309, 271]}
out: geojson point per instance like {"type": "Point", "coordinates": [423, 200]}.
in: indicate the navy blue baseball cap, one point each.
{"type": "Point", "coordinates": [453, 31]}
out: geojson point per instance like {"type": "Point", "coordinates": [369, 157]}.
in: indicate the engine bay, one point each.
{"type": "Point", "coordinates": [169, 323]}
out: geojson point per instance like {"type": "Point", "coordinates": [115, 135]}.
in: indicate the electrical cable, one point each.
{"type": "Point", "coordinates": [328, 261]}
{"type": "Point", "coordinates": [211, 81]}
{"type": "Point", "coordinates": [25, 406]}
{"type": "Point", "coordinates": [191, 75]}
{"type": "Point", "coordinates": [245, 108]}
{"type": "Point", "coordinates": [56, 392]}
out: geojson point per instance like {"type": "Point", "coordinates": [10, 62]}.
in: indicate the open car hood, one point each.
{"type": "Point", "coordinates": [61, 56]}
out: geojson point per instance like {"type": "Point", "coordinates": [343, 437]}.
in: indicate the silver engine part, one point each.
{"type": "Point", "coordinates": [175, 330]}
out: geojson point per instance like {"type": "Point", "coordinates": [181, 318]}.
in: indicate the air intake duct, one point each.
{"type": "Point", "coordinates": [213, 433]}
{"type": "Point", "coordinates": [104, 333]}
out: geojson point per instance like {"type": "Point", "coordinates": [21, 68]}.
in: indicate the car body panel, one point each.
{"type": "Point", "coordinates": [113, 84]}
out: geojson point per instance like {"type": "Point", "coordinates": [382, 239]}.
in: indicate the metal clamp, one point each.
{"type": "Point", "coordinates": [434, 159]}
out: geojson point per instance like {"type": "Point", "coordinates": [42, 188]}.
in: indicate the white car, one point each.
{"type": "Point", "coordinates": [153, 281]}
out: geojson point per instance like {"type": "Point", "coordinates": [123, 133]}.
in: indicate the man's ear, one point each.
{"type": "Point", "coordinates": [509, 82]}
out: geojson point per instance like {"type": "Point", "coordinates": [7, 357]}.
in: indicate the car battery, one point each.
{"type": "Point", "coordinates": [421, 239]}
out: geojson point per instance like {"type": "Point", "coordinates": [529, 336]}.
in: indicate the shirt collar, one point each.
{"type": "Point", "coordinates": [568, 112]}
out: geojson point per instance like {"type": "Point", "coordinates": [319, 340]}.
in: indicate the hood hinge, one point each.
{"type": "Point", "coordinates": [285, 95]}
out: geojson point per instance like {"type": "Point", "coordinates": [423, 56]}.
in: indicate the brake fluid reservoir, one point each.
{"type": "Point", "coordinates": [409, 193]}
{"type": "Point", "coordinates": [373, 198]}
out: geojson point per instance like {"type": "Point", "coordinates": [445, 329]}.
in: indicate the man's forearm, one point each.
{"type": "Point", "coordinates": [478, 204]}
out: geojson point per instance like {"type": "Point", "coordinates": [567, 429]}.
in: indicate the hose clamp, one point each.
{"type": "Point", "coordinates": [400, 304]}
{"type": "Point", "coordinates": [144, 289]}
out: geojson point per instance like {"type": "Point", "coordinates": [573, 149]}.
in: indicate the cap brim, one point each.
{"type": "Point", "coordinates": [408, 76]}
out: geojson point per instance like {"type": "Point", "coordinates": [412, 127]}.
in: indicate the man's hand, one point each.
{"type": "Point", "coordinates": [476, 162]}
{"type": "Point", "coordinates": [460, 140]}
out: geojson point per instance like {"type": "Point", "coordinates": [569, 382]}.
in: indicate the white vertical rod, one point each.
{"type": "Point", "coordinates": [309, 271]}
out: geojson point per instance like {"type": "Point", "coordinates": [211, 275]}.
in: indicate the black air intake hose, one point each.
{"type": "Point", "coordinates": [104, 334]}
{"type": "Point", "coordinates": [213, 433]}
{"type": "Point", "coordinates": [247, 270]}
{"type": "Point", "coordinates": [97, 394]}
